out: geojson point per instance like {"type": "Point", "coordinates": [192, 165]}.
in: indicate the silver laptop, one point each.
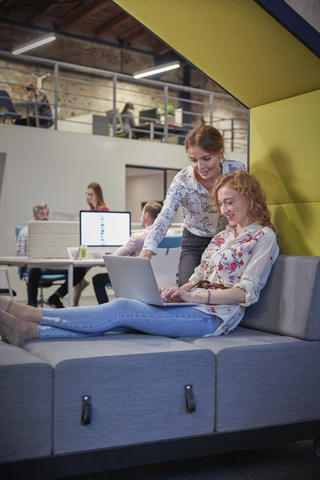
{"type": "Point", "coordinates": [133, 278]}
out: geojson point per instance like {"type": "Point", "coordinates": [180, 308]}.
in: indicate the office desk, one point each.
{"type": "Point", "coordinates": [56, 263]}
{"type": "Point", "coordinates": [29, 108]}
{"type": "Point", "coordinates": [156, 130]}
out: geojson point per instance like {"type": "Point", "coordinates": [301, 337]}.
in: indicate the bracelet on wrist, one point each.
{"type": "Point", "coordinates": [208, 291]}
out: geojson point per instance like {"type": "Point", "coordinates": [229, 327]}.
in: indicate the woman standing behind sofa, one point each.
{"type": "Point", "coordinates": [191, 188]}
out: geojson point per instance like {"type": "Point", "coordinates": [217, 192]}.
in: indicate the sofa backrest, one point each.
{"type": "Point", "coordinates": [289, 304]}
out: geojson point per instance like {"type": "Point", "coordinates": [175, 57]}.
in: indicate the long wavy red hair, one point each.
{"type": "Point", "coordinates": [249, 189]}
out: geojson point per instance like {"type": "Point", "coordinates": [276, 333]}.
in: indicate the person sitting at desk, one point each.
{"type": "Point", "coordinates": [96, 203]}
{"type": "Point", "coordinates": [41, 212]}
{"type": "Point", "coordinates": [95, 198]}
{"type": "Point", "coordinates": [128, 118]}
{"type": "Point", "coordinates": [233, 270]}
{"type": "Point", "coordinates": [40, 98]}
{"type": "Point", "coordinates": [133, 247]}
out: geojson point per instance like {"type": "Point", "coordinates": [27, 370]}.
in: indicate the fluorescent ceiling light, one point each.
{"type": "Point", "coordinates": [34, 43]}
{"type": "Point", "coordinates": [154, 70]}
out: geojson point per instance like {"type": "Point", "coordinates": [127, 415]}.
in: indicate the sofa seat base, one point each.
{"type": "Point", "coordinates": [263, 379]}
{"type": "Point", "coordinates": [136, 386]}
{"type": "Point", "coordinates": [59, 466]}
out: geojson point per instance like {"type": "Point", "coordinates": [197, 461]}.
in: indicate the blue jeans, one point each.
{"type": "Point", "coordinates": [99, 319]}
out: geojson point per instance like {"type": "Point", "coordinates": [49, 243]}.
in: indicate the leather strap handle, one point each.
{"type": "Point", "coordinates": [190, 401]}
{"type": "Point", "coordinates": [86, 410]}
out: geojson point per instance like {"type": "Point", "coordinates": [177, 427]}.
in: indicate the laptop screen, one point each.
{"type": "Point", "coordinates": [104, 229]}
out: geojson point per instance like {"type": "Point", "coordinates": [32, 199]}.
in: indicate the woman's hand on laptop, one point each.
{"type": "Point", "coordinates": [176, 295]}
{"type": "Point", "coordinates": [146, 254]}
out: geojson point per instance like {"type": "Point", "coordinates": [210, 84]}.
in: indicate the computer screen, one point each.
{"type": "Point", "coordinates": [148, 116]}
{"type": "Point", "coordinates": [104, 229]}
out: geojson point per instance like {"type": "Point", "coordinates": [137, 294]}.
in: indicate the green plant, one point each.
{"type": "Point", "coordinates": [161, 109]}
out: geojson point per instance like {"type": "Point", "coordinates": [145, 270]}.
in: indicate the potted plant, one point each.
{"type": "Point", "coordinates": [170, 113]}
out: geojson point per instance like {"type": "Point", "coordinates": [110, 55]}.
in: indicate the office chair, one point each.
{"type": "Point", "coordinates": [119, 125]}
{"type": "Point", "coordinates": [7, 110]}
{"type": "Point", "coordinates": [46, 280]}
{"type": "Point", "coordinates": [165, 263]}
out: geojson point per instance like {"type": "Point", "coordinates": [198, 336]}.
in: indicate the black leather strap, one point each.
{"type": "Point", "coordinates": [190, 401]}
{"type": "Point", "coordinates": [86, 410]}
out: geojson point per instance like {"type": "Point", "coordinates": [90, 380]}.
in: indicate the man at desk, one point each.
{"type": "Point", "coordinates": [41, 212]}
{"type": "Point", "coordinates": [133, 247]}
{"type": "Point", "coordinates": [42, 104]}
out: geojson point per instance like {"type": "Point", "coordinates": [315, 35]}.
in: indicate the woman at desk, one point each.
{"type": "Point", "coordinates": [96, 203]}
{"type": "Point", "coordinates": [95, 198]}
{"type": "Point", "coordinates": [190, 189]}
{"type": "Point", "coordinates": [128, 119]}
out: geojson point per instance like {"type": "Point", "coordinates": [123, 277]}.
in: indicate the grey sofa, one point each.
{"type": "Point", "coordinates": [76, 406]}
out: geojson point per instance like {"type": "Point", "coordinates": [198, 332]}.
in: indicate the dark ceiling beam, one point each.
{"type": "Point", "coordinates": [133, 33]}
{"type": "Point", "coordinates": [39, 12]}
{"type": "Point", "coordinates": [88, 12]}
{"type": "Point", "coordinates": [103, 29]}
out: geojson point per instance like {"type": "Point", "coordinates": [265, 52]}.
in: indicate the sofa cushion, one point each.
{"type": "Point", "coordinates": [290, 302]}
{"type": "Point", "coordinates": [26, 405]}
{"type": "Point", "coordinates": [263, 379]}
{"type": "Point", "coordinates": [136, 384]}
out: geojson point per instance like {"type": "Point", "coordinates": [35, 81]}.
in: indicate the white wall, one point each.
{"type": "Point", "coordinates": [56, 167]}
{"type": "Point", "coordinates": [142, 189]}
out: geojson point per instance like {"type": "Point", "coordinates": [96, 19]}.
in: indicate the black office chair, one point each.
{"type": "Point", "coordinates": [7, 110]}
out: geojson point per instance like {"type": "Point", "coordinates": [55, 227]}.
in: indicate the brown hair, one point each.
{"type": "Point", "coordinates": [153, 208]}
{"type": "Point", "coordinates": [206, 137]}
{"type": "Point", "coordinates": [98, 191]}
{"type": "Point", "coordinates": [249, 189]}
{"type": "Point", "coordinates": [128, 106]}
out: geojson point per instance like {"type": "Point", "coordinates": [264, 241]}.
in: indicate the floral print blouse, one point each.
{"type": "Point", "coordinates": [244, 261]}
{"type": "Point", "coordinates": [199, 213]}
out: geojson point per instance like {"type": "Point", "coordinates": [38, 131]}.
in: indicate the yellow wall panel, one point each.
{"type": "Point", "coordinates": [285, 148]}
{"type": "Point", "coordinates": [251, 55]}
{"type": "Point", "coordinates": [236, 43]}
{"type": "Point", "coordinates": [299, 227]}
{"type": "Point", "coordinates": [284, 155]}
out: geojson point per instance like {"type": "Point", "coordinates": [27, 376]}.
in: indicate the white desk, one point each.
{"type": "Point", "coordinates": [58, 263]}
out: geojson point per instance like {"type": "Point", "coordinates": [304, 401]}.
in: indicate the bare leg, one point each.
{"type": "Point", "coordinates": [23, 312]}
{"type": "Point", "coordinates": [15, 331]}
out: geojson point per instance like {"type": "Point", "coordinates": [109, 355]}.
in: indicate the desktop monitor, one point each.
{"type": "Point", "coordinates": [104, 229]}
{"type": "Point", "coordinates": [146, 116]}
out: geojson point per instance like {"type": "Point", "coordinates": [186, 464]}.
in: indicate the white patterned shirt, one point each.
{"type": "Point", "coordinates": [199, 213]}
{"type": "Point", "coordinates": [244, 262]}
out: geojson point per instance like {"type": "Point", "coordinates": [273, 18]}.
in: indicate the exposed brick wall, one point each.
{"type": "Point", "coordinates": [80, 93]}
